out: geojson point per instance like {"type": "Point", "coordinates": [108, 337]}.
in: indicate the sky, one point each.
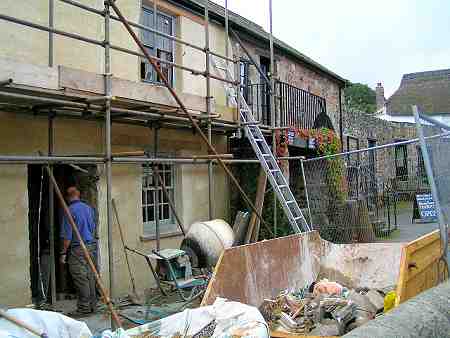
{"type": "Point", "coordinates": [361, 40]}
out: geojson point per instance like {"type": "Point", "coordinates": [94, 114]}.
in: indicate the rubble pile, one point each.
{"type": "Point", "coordinates": [323, 308]}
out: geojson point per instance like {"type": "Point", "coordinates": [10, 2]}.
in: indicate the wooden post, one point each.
{"type": "Point", "coordinates": [254, 224]}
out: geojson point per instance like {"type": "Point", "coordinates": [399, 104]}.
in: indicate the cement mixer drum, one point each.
{"type": "Point", "coordinates": [205, 241]}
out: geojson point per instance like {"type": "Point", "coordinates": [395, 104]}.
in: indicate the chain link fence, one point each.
{"type": "Point", "coordinates": [367, 195]}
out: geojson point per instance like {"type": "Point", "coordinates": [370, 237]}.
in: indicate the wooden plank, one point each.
{"type": "Point", "coordinates": [28, 74]}
{"type": "Point", "coordinates": [81, 80]}
{"type": "Point", "coordinates": [253, 225]}
{"type": "Point", "coordinates": [419, 266]}
{"type": "Point", "coordinates": [280, 334]}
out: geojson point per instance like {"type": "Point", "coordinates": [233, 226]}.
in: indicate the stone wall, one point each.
{"type": "Point", "coordinates": [295, 73]}
{"type": "Point", "coordinates": [365, 127]}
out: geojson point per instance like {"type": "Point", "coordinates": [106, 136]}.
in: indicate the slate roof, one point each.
{"type": "Point", "coordinates": [430, 91]}
{"type": "Point", "coordinates": [240, 23]}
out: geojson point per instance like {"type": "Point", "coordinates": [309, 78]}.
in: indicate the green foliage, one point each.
{"type": "Point", "coordinates": [360, 97]}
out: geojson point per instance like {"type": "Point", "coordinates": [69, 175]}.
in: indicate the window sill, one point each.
{"type": "Point", "coordinates": [148, 238]}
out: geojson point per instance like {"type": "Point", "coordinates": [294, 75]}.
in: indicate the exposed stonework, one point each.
{"type": "Point", "coordinates": [299, 75]}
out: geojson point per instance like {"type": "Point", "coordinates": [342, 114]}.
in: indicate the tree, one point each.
{"type": "Point", "coordinates": [360, 97]}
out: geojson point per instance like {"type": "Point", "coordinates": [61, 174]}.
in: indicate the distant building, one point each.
{"type": "Point", "coordinates": [430, 91]}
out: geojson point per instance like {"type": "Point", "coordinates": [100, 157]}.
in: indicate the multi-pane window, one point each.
{"type": "Point", "coordinates": [157, 45]}
{"type": "Point", "coordinates": [150, 190]}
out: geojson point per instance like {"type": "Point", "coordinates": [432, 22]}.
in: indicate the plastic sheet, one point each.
{"type": "Point", "coordinates": [231, 319]}
{"type": "Point", "coordinates": [52, 323]}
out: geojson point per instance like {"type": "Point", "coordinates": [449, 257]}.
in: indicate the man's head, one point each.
{"type": "Point", "coordinates": [73, 193]}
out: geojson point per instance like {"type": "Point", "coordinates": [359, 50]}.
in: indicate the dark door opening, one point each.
{"type": "Point", "coordinates": [401, 162]}
{"type": "Point", "coordinates": [265, 91]}
{"type": "Point", "coordinates": [85, 178]}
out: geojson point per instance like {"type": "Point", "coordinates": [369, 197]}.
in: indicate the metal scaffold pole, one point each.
{"type": "Point", "coordinates": [51, 196]}
{"type": "Point", "coordinates": [184, 109]}
{"type": "Point", "coordinates": [272, 110]}
{"type": "Point", "coordinates": [108, 151]}
{"type": "Point", "coordinates": [51, 214]}
{"type": "Point", "coordinates": [156, 182]}
{"type": "Point", "coordinates": [209, 109]}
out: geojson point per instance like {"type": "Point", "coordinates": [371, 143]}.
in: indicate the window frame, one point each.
{"type": "Point", "coordinates": [154, 51]}
{"type": "Point", "coordinates": [149, 226]}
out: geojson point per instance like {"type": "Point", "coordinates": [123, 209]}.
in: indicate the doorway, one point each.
{"type": "Point", "coordinates": [265, 91]}
{"type": "Point", "coordinates": [85, 177]}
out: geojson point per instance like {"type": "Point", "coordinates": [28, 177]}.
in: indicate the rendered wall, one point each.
{"type": "Point", "coordinates": [81, 137]}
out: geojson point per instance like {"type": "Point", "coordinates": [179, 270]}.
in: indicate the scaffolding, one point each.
{"type": "Point", "coordinates": [53, 104]}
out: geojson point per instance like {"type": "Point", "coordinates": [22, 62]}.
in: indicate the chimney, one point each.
{"type": "Point", "coordinates": [379, 90]}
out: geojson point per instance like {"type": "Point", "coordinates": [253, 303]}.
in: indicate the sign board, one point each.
{"type": "Point", "coordinates": [424, 208]}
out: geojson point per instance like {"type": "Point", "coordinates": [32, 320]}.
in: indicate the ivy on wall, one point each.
{"type": "Point", "coordinates": [326, 143]}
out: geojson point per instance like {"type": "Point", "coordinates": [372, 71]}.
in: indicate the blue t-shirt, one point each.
{"type": "Point", "coordinates": [83, 215]}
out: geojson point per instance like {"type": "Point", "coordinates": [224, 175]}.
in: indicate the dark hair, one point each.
{"type": "Point", "coordinates": [311, 287]}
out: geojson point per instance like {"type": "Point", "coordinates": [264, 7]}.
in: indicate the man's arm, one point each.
{"type": "Point", "coordinates": [66, 236]}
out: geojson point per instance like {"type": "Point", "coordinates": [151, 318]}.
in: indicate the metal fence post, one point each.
{"type": "Point", "coordinates": [432, 182]}
{"type": "Point", "coordinates": [306, 193]}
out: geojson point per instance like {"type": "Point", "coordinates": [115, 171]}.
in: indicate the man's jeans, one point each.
{"type": "Point", "coordinates": [83, 277]}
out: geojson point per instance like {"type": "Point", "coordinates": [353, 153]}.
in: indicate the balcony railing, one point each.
{"type": "Point", "coordinates": [297, 107]}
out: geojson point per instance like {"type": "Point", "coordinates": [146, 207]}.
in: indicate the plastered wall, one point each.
{"type": "Point", "coordinates": [27, 135]}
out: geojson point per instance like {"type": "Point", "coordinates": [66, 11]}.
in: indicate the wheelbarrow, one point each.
{"type": "Point", "coordinates": [172, 268]}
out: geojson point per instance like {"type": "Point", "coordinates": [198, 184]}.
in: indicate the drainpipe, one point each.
{"type": "Point", "coordinates": [341, 130]}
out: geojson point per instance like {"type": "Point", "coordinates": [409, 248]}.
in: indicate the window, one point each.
{"type": "Point", "coordinates": [167, 223]}
{"type": "Point", "coordinates": [157, 45]}
{"type": "Point", "coordinates": [244, 78]}
{"type": "Point", "coordinates": [401, 162]}
{"type": "Point", "coordinates": [353, 144]}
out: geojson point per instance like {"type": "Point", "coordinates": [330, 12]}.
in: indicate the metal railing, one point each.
{"type": "Point", "coordinates": [298, 108]}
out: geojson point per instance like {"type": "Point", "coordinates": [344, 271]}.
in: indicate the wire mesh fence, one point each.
{"type": "Point", "coordinates": [436, 149]}
{"type": "Point", "coordinates": [367, 195]}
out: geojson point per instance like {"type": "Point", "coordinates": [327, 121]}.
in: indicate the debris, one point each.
{"type": "Point", "coordinates": [324, 308]}
{"type": "Point", "coordinates": [376, 299]}
{"type": "Point", "coordinates": [327, 287]}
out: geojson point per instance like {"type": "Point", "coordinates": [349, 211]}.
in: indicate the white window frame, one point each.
{"type": "Point", "coordinates": [167, 222]}
{"type": "Point", "coordinates": [151, 47]}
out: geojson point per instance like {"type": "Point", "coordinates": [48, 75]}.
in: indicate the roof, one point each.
{"type": "Point", "coordinates": [240, 23]}
{"type": "Point", "coordinates": [430, 91]}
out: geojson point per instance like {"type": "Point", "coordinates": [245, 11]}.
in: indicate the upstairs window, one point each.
{"type": "Point", "coordinates": [157, 45]}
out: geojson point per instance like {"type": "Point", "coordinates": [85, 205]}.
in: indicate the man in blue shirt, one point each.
{"type": "Point", "coordinates": [82, 275]}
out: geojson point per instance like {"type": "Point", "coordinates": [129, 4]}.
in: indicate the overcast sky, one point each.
{"type": "Point", "coordinates": [362, 40]}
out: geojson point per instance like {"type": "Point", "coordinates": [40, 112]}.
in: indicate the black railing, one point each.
{"type": "Point", "coordinates": [258, 99]}
{"type": "Point", "coordinates": [297, 107]}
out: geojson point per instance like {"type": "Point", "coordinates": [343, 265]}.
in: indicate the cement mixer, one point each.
{"type": "Point", "coordinates": [205, 242]}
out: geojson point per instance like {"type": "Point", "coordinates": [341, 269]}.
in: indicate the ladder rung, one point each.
{"type": "Point", "coordinates": [259, 139]}
{"type": "Point", "coordinates": [274, 170]}
{"type": "Point", "coordinates": [282, 186]}
{"type": "Point", "coordinates": [297, 218]}
{"type": "Point", "coordinates": [291, 201]}
{"type": "Point", "coordinates": [266, 155]}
